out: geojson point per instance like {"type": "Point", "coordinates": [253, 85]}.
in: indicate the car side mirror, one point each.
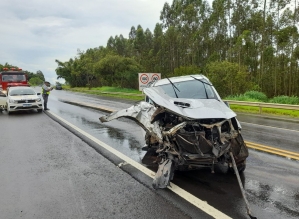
{"type": "Point", "coordinates": [227, 104]}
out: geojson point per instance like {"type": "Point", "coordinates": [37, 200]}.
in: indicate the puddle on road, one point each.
{"type": "Point", "coordinates": [123, 134]}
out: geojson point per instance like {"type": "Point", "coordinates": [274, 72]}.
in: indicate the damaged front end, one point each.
{"type": "Point", "coordinates": [180, 143]}
{"type": "Point", "coordinates": [187, 127]}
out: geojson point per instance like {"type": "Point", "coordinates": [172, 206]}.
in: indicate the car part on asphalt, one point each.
{"type": "Point", "coordinates": [241, 186]}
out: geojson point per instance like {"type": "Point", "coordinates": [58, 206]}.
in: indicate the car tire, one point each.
{"type": "Point", "coordinates": [8, 111]}
{"type": "Point", "coordinates": [241, 167]}
{"type": "Point", "coordinates": [39, 110]}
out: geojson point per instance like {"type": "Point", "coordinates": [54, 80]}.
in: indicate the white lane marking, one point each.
{"type": "Point", "coordinates": [204, 206]}
{"type": "Point", "coordinates": [273, 127]}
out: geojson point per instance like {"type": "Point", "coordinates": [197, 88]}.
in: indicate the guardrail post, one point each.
{"type": "Point", "coordinates": [260, 108]}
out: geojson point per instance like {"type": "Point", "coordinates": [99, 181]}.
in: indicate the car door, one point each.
{"type": "Point", "coordinates": [3, 99]}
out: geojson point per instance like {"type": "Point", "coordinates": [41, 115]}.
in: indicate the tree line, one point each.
{"type": "Point", "coordinates": [239, 44]}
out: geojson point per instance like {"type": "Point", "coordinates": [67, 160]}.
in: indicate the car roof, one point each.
{"type": "Point", "coordinates": [179, 79]}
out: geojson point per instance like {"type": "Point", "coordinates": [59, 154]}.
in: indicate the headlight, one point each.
{"type": "Point", "coordinates": [38, 100]}
{"type": "Point", "coordinates": [12, 101]}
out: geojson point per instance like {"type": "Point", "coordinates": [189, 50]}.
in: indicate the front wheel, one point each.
{"type": "Point", "coordinates": [7, 109]}
{"type": "Point", "coordinates": [39, 110]}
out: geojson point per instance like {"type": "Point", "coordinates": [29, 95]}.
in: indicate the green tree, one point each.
{"type": "Point", "coordinates": [64, 70]}
{"type": "Point", "coordinates": [186, 70]}
{"type": "Point", "coordinates": [228, 78]}
{"type": "Point", "coordinates": [118, 71]}
{"type": "Point", "coordinates": [257, 38]}
{"type": "Point", "coordinates": [34, 81]}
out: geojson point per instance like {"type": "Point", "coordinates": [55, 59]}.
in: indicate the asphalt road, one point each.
{"type": "Point", "coordinates": [49, 172]}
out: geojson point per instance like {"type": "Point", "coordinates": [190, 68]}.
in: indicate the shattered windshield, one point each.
{"type": "Point", "coordinates": [192, 89]}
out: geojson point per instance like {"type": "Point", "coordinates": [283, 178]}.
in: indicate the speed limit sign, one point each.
{"type": "Point", "coordinates": [145, 79]}
{"type": "Point", "coordinates": [155, 77]}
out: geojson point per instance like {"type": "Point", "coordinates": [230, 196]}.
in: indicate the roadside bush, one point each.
{"type": "Point", "coordinates": [256, 95]}
{"type": "Point", "coordinates": [250, 96]}
{"type": "Point", "coordinates": [241, 97]}
{"type": "Point", "coordinates": [285, 100]}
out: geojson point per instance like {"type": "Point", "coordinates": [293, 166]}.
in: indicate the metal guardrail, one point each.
{"type": "Point", "coordinates": [113, 93]}
{"type": "Point", "coordinates": [262, 105]}
{"type": "Point", "coordinates": [125, 94]}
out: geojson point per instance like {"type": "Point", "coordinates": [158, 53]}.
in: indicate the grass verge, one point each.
{"type": "Point", "coordinates": [265, 111]}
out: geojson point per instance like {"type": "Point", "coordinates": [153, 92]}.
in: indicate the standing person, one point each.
{"type": "Point", "coordinates": [45, 93]}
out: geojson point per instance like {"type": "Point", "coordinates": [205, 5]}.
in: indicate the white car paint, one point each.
{"type": "Point", "coordinates": [23, 98]}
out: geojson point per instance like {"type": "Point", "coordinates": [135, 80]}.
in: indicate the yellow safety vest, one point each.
{"type": "Point", "coordinates": [45, 92]}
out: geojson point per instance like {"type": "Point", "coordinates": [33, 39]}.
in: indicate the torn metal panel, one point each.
{"type": "Point", "coordinates": [164, 174]}
{"type": "Point", "coordinates": [141, 113]}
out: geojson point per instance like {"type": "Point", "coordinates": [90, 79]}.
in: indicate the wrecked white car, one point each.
{"type": "Point", "coordinates": [187, 126]}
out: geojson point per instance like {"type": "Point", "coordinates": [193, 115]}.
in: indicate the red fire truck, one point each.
{"type": "Point", "coordinates": [11, 77]}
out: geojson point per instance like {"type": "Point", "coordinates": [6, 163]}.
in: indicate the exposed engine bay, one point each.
{"type": "Point", "coordinates": [182, 144]}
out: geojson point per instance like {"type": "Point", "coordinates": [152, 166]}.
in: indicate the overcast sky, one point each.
{"type": "Point", "coordinates": [36, 32]}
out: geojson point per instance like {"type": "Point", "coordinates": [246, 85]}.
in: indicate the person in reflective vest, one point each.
{"type": "Point", "coordinates": [45, 93]}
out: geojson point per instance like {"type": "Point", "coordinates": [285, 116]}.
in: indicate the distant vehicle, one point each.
{"type": "Point", "coordinates": [11, 77]}
{"type": "Point", "coordinates": [58, 87]}
{"type": "Point", "coordinates": [21, 98]}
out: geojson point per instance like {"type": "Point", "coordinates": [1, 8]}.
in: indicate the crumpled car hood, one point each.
{"type": "Point", "coordinates": [190, 108]}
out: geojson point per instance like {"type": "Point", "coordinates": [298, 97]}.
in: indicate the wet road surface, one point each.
{"type": "Point", "coordinates": [48, 173]}
{"type": "Point", "coordinates": [271, 182]}
{"type": "Point", "coordinates": [283, 134]}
